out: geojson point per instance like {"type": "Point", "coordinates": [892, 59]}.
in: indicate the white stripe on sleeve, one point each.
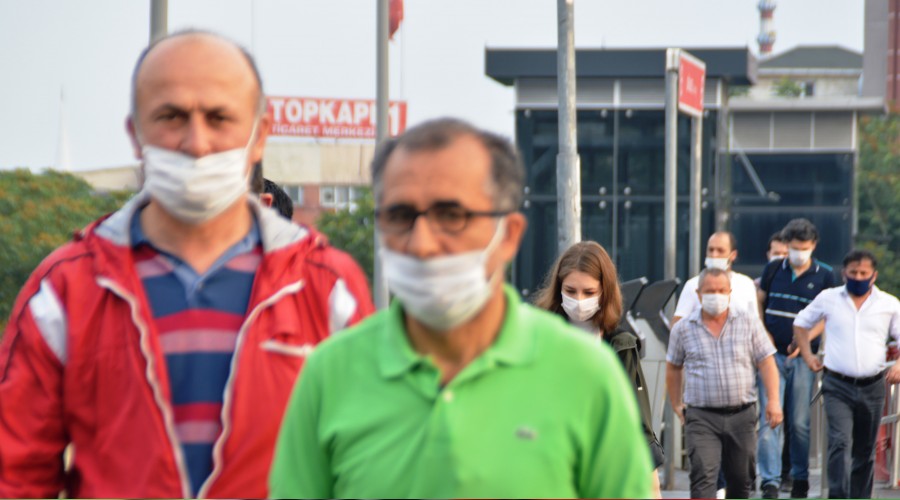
{"type": "Point", "coordinates": [48, 313]}
{"type": "Point", "coordinates": [341, 306]}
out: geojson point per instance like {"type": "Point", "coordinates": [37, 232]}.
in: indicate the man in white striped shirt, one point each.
{"type": "Point", "coordinates": [859, 318]}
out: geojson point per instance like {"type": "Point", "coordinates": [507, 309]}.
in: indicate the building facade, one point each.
{"type": "Point", "coordinates": [766, 158]}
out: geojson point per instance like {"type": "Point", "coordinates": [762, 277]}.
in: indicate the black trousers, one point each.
{"type": "Point", "coordinates": [726, 440]}
{"type": "Point", "coordinates": [854, 414]}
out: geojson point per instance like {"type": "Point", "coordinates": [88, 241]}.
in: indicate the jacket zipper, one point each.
{"type": "Point", "coordinates": [163, 405]}
{"type": "Point", "coordinates": [227, 399]}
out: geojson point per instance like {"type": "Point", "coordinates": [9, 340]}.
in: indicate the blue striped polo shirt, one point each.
{"type": "Point", "coordinates": [787, 294]}
{"type": "Point", "coordinates": [197, 318]}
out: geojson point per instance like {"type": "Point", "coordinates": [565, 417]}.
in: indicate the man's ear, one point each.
{"type": "Point", "coordinates": [516, 224]}
{"type": "Point", "coordinates": [266, 199]}
{"type": "Point", "coordinates": [262, 133]}
{"type": "Point", "coordinates": [132, 135]}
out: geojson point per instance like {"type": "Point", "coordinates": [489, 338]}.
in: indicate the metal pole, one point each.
{"type": "Point", "coordinates": [159, 19]}
{"type": "Point", "coordinates": [696, 190]}
{"type": "Point", "coordinates": [671, 178]}
{"type": "Point", "coordinates": [568, 165]}
{"type": "Point", "coordinates": [379, 287]}
{"type": "Point", "coordinates": [723, 162]}
{"type": "Point", "coordinates": [670, 206]}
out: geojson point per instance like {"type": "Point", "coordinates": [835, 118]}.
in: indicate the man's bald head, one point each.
{"type": "Point", "coordinates": [171, 42]}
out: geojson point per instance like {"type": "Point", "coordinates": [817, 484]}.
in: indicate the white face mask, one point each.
{"type": "Point", "coordinates": [717, 263]}
{"type": "Point", "coordinates": [799, 257]}
{"type": "Point", "coordinates": [714, 304]}
{"type": "Point", "coordinates": [194, 190]}
{"type": "Point", "coordinates": [442, 292]}
{"type": "Point", "coordinates": [580, 310]}
{"type": "Point", "coordinates": [776, 257]}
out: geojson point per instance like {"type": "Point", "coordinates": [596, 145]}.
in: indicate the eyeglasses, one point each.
{"type": "Point", "coordinates": [446, 217]}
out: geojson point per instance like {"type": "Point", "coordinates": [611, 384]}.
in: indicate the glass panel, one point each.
{"type": "Point", "coordinates": [341, 196]}
{"type": "Point", "coordinates": [326, 196]}
{"type": "Point", "coordinates": [295, 193]}
{"type": "Point", "coordinates": [798, 179]}
{"type": "Point", "coordinates": [753, 226]}
{"type": "Point", "coordinates": [629, 224]}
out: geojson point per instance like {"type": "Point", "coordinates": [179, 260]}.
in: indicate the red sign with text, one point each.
{"type": "Point", "coordinates": [331, 118]}
{"type": "Point", "coordinates": [691, 83]}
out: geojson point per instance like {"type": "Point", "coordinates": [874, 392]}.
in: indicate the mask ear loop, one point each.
{"type": "Point", "coordinates": [247, 154]}
{"type": "Point", "coordinates": [491, 246]}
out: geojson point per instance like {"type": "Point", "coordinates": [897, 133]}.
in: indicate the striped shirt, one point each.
{"type": "Point", "coordinates": [719, 371]}
{"type": "Point", "coordinates": [787, 294]}
{"type": "Point", "coordinates": [197, 318]}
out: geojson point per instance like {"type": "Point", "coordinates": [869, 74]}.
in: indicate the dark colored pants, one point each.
{"type": "Point", "coordinates": [721, 440]}
{"type": "Point", "coordinates": [854, 414]}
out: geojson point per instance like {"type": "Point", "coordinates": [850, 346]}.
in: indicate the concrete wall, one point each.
{"type": "Point", "coordinates": [300, 163]}
{"type": "Point", "coordinates": [875, 48]}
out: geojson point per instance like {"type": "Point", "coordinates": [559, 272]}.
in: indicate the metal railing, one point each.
{"type": "Point", "coordinates": [893, 430]}
{"type": "Point", "coordinates": [891, 421]}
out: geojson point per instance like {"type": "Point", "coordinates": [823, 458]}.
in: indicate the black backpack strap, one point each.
{"type": "Point", "coordinates": [769, 277]}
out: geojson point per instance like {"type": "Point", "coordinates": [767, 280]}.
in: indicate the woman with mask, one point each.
{"type": "Point", "coordinates": [583, 288]}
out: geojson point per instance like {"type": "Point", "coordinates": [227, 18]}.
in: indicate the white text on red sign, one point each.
{"type": "Point", "coordinates": [336, 118]}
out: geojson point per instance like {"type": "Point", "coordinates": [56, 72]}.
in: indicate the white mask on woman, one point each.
{"type": "Point", "coordinates": [580, 310]}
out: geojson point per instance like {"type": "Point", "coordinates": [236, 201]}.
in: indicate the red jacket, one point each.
{"type": "Point", "coordinates": [80, 363]}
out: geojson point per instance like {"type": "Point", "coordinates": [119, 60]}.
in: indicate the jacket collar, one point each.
{"type": "Point", "coordinates": [275, 231]}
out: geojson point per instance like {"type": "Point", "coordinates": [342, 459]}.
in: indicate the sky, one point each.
{"type": "Point", "coordinates": [85, 50]}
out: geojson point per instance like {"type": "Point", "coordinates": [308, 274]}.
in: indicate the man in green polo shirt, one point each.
{"type": "Point", "coordinates": [458, 389]}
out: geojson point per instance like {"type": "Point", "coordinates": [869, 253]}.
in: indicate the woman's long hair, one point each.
{"type": "Point", "coordinates": [590, 258]}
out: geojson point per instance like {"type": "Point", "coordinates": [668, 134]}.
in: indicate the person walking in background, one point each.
{"type": "Point", "coordinates": [859, 320]}
{"type": "Point", "coordinates": [162, 344]}
{"type": "Point", "coordinates": [458, 390]}
{"type": "Point", "coordinates": [777, 249]}
{"type": "Point", "coordinates": [721, 252]}
{"type": "Point", "coordinates": [786, 287]}
{"type": "Point", "coordinates": [270, 194]}
{"type": "Point", "coordinates": [720, 349]}
{"type": "Point", "coordinates": [583, 287]}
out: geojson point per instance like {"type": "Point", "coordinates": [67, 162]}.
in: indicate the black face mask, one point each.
{"type": "Point", "coordinates": [859, 287]}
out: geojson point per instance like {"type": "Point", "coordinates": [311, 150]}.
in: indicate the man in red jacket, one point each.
{"type": "Point", "coordinates": [162, 343]}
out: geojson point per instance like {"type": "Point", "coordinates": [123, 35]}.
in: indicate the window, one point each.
{"type": "Point", "coordinates": [339, 197]}
{"type": "Point", "coordinates": [809, 88]}
{"type": "Point", "coordinates": [295, 193]}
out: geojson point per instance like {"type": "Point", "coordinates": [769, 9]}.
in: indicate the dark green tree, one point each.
{"type": "Point", "coordinates": [879, 195]}
{"type": "Point", "coordinates": [38, 213]}
{"type": "Point", "coordinates": [353, 231]}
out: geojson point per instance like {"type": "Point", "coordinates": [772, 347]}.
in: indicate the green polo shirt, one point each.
{"type": "Point", "coordinates": [544, 412]}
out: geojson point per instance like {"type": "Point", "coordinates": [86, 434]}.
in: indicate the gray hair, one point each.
{"type": "Point", "coordinates": [197, 32]}
{"type": "Point", "coordinates": [712, 271]}
{"type": "Point", "coordinates": [507, 170]}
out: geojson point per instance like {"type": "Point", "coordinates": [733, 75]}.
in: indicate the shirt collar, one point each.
{"type": "Point", "coordinates": [514, 344]}
{"type": "Point", "coordinates": [696, 316]}
{"type": "Point", "coordinates": [247, 243]}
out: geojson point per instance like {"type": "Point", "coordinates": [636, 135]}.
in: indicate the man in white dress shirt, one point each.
{"type": "Point", "coordinates": [721, 251]}
{"type": "Point", "coordinates": [858, 320]}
